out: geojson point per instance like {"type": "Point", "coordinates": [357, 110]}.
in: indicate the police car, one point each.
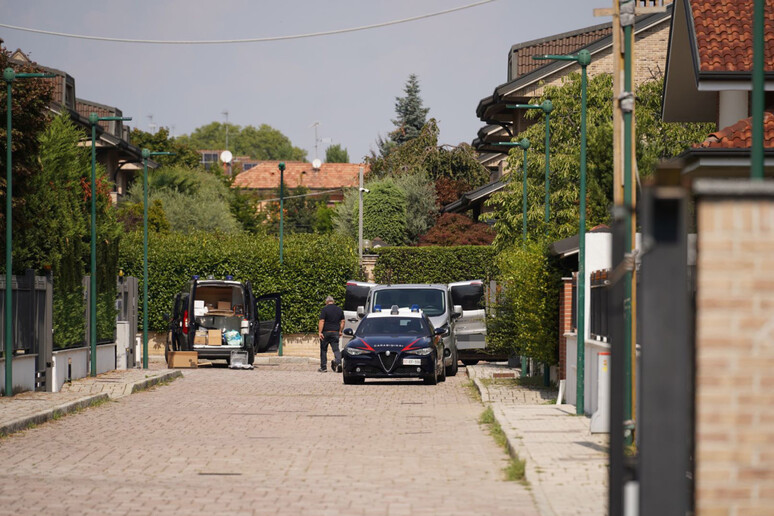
{"type": "Point", "coordinates": [394, 343]}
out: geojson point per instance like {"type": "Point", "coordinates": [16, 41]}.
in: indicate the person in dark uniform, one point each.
{"type": "Point", "coordinates": [330, 328]}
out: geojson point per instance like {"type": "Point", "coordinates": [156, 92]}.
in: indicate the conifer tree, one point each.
{"type": "Point", "coordinates": [411, 115]}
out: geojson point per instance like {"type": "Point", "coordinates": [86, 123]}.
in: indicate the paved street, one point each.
{"type": "Point", "coordinates": [280, 439]}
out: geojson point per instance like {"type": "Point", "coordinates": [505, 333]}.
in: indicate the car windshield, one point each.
{"type": "Point", "coordinates": [392, 326]}
{"type": "Point", "coordinates": [430, 300]}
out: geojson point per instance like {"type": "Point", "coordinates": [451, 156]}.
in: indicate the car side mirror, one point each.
{"type": "Point", "coordinates": [441, 331]}
{"type": "Point", "coordinates": [457, 311]}
{"type": "Point", "coordinates": [348, 331]}
{"type": "Point", "coordinates": [361, 311]}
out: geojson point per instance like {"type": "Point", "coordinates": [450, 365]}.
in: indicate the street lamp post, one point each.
{"type": "Point", "coordinates": [145, 155]}
{"type": "Point", "coordinates": [583, 58]}
{"type": "Point", "coordinates": [546, 106]}
{"type": "Point", "coordinates": [361, 191]}
{"type": "Point", "coordinates": [282, 217]}
{"type": "Point", "coordinates": [524, 145]}
{"type": "Point", "coordinates": [10, 75]}
{"type": "Point", "coordinates": [93, 120]}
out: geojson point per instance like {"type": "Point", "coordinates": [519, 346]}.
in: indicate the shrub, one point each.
{"type": "Point", "coordinates": [314, 266]}
{"type": "Point", "coordinates": [434, 264]}
{"type": "Point", "coordinates": [456, 229]}
{"type": "Point", "coordinates": [524, 319]}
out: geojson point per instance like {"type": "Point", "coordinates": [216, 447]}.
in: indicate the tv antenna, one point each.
{"type": "Point", "coordinates": [225, 113]}
{"type": "Point", "coordinates": [318, 140]}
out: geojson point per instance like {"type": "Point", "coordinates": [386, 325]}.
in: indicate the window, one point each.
{"type": "Point", "coordinates": [430, 300]}
{"type": "Point", "coordinates": [470, 297]}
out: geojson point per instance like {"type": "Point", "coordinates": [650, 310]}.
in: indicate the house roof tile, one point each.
{"type": "Point", "coordinates": [739, 135]}
{"type": "Point", "coordinates": [723, 30]}
{"type": "Point", "coordinates": [265, 175]}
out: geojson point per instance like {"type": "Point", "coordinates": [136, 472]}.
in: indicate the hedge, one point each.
{"type": "Point", "coordinates": [434, 264]}
{"type": "Point", "coordinates": [525, 318]}
{"type": "Point", "coordinates": [314, 267]}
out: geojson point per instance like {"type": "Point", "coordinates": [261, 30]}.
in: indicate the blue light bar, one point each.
{"type": "Point", "coordinates": [229, 277]}
{"type": "Point", "coordinates": [414, 308]}
{"type": "Point", "coordinates": [377, 308]}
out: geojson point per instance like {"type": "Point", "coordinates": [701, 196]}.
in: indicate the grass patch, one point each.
{"type": "Point", "coordinates": [495, 430]}
{"type": "Point", "coordinates": [470, 387]}
{"type": "Point", "coordinates": [514, 471]}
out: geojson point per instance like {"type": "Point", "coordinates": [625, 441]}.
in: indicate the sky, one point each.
{"type": "Point", "coordinates": [347, 83]}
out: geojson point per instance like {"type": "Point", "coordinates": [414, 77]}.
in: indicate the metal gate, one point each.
{"type": "Point", "coordinates": [32, 315]}
{"type": "Point", "coordinates": [127, 308]}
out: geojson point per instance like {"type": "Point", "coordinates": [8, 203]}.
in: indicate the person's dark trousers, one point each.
{"type": "Point", "coordinates": [332, 338]}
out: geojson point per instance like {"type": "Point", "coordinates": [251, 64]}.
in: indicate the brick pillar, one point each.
{"type": "Point", "coordinates": [565, 323]}
{"type": "Point", "coordinates": [734, 389]}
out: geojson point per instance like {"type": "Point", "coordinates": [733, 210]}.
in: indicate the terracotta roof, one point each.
{"type": "Point", "coordinates": [723, 30]}
{"type": "Point", "coordinates": [565, 43]}
{"type": "Point", "coordinates": [739, 135]}
{"type": "Point", "coordinates": [265, 175]}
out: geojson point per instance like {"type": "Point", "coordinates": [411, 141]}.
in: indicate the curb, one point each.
{"type": "Point", "coordinates": [516, 450]}
{"type": "Point", "coordinates": [150, 382]}
{"type": "Point", "coordinates": [49, 414]}
{"type": "Point", "coordinates": [274, 360]}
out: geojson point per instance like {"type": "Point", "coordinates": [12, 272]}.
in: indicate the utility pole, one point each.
{"type": "Point", "coordinates": [623, 291]}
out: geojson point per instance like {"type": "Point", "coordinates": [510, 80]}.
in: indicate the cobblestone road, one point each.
{"type": "Point", "coordinates": [276, 440]}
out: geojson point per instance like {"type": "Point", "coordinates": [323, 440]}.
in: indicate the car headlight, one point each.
{"type": "Point", "coordinates": [356, 351]}
{"type": "Point", "coordinates": [421, 351]}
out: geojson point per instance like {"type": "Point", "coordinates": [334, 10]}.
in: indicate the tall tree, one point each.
{"type": "Point", "coordinates": [160, 141]}
{"type": "Point", "coordinates": [263, 143]}
{"type": "Point", "coordinates": [31, 98]}
{"type": "Point", "coordinates": [655, 140]}
{"type": "Point", "coordinates": [336, 154]}
{"type": "Point", "coordinates": [412, 117]}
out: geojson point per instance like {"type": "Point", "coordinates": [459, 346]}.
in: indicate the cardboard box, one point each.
{"type": "Point", "coordinates": [224, 305]}
{"type": "Point", "coordinates": [214, 338]}
{"type": "Point", "coordinates": [183, 359]}
{"type": "Point", "coordinates": [200, 340]}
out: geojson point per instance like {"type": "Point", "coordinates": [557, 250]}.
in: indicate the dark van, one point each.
{"type": "Point", "coordinates": [215, 317]}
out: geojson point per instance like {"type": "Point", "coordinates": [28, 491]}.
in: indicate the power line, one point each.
{"type": "Point", "coordinates": [246, 40]}
{"type": "Point", "coordinates": [311, 194]}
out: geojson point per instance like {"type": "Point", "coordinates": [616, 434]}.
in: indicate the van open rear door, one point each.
{"type": "Point", "coordinates": [189, 317]}
{"type": "Point", "coordinates": [268, 321]}
{"type": "Point", "coordinates": [471, 326]}
{"type": "Point", "coordinates": [356, 295]}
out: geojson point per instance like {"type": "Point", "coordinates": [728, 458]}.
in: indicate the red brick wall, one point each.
{"type": "Point", "coordinates": [565, 323]}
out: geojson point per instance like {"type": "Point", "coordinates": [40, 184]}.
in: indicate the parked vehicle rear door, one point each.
{"type": "Point", "coordinates": [176, 322]}
{"type": "Point", "coordinates": [268, 320]}
{"type": "Point", "coordinates": [249, 313]}
{"type": "Point", "coordinates": [189, 319]}
{"type": "Point", "coordinates": [356, 295]}
{"type": "Point", "coordinates": [470, 328]}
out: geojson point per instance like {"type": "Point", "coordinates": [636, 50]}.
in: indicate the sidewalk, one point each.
{"type": "Point", "coordinates": [33, 408]}
{"type": "Point", "coordinates": [566, 465]}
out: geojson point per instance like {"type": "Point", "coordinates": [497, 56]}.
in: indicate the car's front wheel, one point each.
{"type": "Point", "coordinates": [452, 369]}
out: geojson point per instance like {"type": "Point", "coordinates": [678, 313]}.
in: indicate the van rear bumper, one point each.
{"type": "Point", "coordinates": [216, 352]}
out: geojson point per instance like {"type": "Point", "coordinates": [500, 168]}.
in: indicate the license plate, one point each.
{"type": "Point", "coordinates": [412, 361]}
